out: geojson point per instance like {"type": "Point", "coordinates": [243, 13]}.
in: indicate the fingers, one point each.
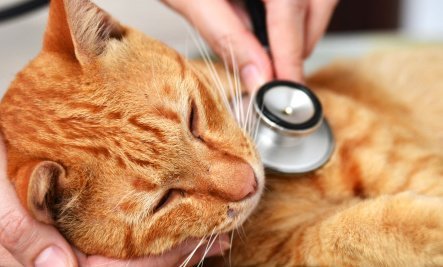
{"type": "Point", "coordinates": [294, 27]}
{"type": "Point", "coordinates": [172, 258]}
{"type": "Point", "coordinates": [286, 32]}
{"type": "Point", "coordinates": [225, 32]}
{"type": "Point", "coordinates": [28, 241]}
{"type": "Point", "coordinates": [6, 259]}
{"type": "Point", "coordinates": [320, 12]}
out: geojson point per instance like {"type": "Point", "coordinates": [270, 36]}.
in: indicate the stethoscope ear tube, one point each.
{"type": "Point", "coordinates": [257, 13]}
{"type": "Point", "coordinates": [21, 8]}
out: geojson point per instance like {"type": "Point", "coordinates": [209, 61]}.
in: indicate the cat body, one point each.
{"type": "Point", "coordinates": [378, 201]}
{"type": "Point", "coordinates": [130, 149]}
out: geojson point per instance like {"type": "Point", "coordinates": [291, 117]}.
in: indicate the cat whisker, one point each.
{"type": "Point", "coordinates": [230, 248]}
{"type": "Point", "coordinates": [249, 116]}
{"type": "Point", "coordinates": [208, 242]}
{"type": "Point", "coordinates": [255, 131]}
{"type": "Point", "coordinates": [239, 235]}
{"type": "Point", "coordinates": [186, 261]}
{"type": "Point", "coordinates": [224, 255]}
{"type": "Point", "coordinates": [213, 73]}
{"type": "Point", "coordinates": [243, 231]}
{"type": "Point", "coordinates": [251, 126]}
{"type": "Point", "coordinates": [237, 87]}
{"type": "Point", "coordinates": [252, 123]}
{"type": "Point", "coordinates": [231, 86]}
{"type": "Point", "coordinates": [236, 105]}
{"type": "Point", "coordinates": [208, 247]}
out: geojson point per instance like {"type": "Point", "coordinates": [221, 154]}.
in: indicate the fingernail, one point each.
{"type": "Point", "coordinates": [52, 256]}
{"type": "Point", "coordinates": [251, 77]}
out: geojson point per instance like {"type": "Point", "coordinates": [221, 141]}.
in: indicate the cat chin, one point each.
{"type": "Point", "coordinates": [238, 212]}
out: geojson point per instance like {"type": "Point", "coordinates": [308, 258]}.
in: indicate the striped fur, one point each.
{"type": "Point", "coordinates": [379, 200]}
{"type": "Point", "coordinates": [112, 107]}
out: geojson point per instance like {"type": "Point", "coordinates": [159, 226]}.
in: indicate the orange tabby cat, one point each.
{"type": "Point", "coordinates": [128, 149]}
{"type": "Point", "coordinates": [116, 140]}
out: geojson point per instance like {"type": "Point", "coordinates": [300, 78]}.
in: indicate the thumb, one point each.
{"type": "Point", "coordinates": [31, 243]}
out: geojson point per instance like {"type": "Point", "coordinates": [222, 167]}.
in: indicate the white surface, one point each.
{"type": "Point", "coordinates": [19, 41]}
{"type": "Point", "coordinates": [423, 18]}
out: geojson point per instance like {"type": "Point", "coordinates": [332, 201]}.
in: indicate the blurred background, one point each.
{"type": "Point", "coordinates": [357, 27]}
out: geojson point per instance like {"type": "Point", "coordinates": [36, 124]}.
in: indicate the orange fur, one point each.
{"type": "Point", "coordinates": [114, 109]}
{"type": "Point", "coordinates": [378, 201]}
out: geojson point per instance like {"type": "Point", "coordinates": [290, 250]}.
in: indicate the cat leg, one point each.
{"type": "Point", "coordinates": [398, 230]}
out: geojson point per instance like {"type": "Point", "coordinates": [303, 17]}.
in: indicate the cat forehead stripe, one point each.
{"type": "Point", "coordinates": [158, 133]}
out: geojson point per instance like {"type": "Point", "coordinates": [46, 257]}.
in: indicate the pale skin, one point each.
{"type": "Point", "coordinates": [294, 27]}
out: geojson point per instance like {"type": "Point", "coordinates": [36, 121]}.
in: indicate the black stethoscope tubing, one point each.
{"type": "Point", "coordinates": [19, 9]}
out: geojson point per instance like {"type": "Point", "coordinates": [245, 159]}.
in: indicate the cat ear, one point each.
{"type": "Point", "coordinates": [36, 183]}
{"type": "Point", "coordinates": [79, 29]}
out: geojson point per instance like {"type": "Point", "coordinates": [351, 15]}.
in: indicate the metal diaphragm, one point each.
{"type": "Point", "coordinates": [293, 136]}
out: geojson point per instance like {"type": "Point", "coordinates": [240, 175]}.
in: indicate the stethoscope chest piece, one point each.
{"type": "Point", "coordinates": [292, 136]}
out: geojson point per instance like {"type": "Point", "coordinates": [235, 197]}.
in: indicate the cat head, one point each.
{"type": "Point", "coordinates": [121, 143]}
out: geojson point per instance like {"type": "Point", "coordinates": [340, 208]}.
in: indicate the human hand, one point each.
{"type": "Point", "coordinates": [172, 258]}
{"type": "Point", "coordinates": [294, 27]}
{"type": "Point", "coordinates": [27, 242]}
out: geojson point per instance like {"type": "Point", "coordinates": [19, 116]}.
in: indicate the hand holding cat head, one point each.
{"type": "Point", "coordinates": [32, 243]}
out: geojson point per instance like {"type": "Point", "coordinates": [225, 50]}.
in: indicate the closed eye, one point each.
{"type": "Point", "coordinates": [193, 121]}
{"type": "Point", "coordinates": [169, 197]}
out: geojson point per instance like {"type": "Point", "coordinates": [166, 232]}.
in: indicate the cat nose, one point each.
{"type": "Point", "coordinates": [229, 179]}
{"type": "Point", "coordinates": [242, 184]}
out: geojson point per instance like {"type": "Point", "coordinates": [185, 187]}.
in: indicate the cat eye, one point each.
{"type": "Point", "coordinates": [168, 197]}
{"type": "Point", "coordinates": [193, 121]}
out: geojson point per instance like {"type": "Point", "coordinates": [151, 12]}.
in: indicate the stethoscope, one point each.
{"type": "Point", "coordinates": [21, 8]}
{"type": "Point", "coordinates": [293, 136]}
